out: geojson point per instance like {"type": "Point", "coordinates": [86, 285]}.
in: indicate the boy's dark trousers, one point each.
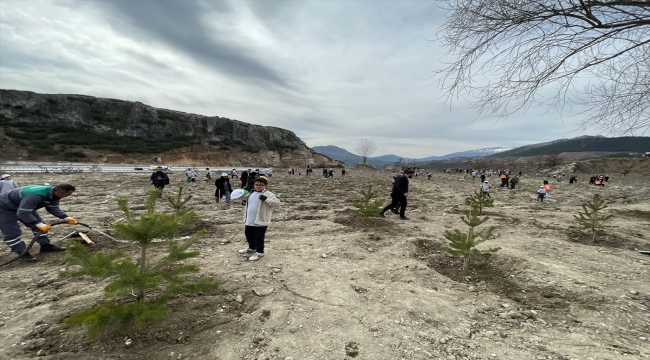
{"type": "Point", "coordinates": [397, 199]}
{"type": "Point", "coordinates": [255, 237]}
{"type": "Point", "coordinates": [540, 197]}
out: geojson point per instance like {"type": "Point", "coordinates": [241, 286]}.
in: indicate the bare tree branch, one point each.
{"type": "Point", "coordinates": [510, 54]}
{"type": "Point", "coordinates": [365, 148]}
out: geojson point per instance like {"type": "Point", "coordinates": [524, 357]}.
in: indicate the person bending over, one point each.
{"type": "Point", "coordinates": [21, 205]}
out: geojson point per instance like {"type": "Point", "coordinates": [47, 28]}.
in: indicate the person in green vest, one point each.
{"type": "Point", "coordinates": [21, 205]}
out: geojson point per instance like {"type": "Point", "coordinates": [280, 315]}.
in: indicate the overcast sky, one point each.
{"type": "Point", "coordinates": [331, 71]}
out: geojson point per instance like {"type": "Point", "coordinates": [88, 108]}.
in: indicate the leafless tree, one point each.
{"type": "Point", "coordinates": [592, 56]}
{"type": "Point", "coordinates": [553, 158]}
{"type": "Point", "coordinates": [365, 148]}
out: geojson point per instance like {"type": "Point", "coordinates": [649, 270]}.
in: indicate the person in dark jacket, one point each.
{"type": "Point", "coordinates": [159, 179]}
{"type": "Point", "coordinates": [244, 177]}
{"type": "Point", "coordinates": [223, 188]}
{"type": "Point", "coordinates": [20, 205]}
{"type": "Point", "coordinates": [250, 183]}
{"type": "Point", "coordinates": [513, 182]}
{"type": "Point", "coordinates": [399, 194]}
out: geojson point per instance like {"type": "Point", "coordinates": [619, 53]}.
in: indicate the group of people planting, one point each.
{"type": "Point", "coordinates": [20, 204]}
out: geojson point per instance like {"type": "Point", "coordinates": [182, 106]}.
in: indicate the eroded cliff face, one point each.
{"type": "Point", "coordinates": [58, 126]}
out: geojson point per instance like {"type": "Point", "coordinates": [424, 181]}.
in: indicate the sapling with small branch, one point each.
{"type": "Point", "coordinates": [464, 244]}
{"type": "Point", "coordinates": [368, 205]}
{"type": "Point", "coordinates": [480, 200]}
{"type": "Point", "coordinates": [591, 219]}
{"type": "Point", "coordinates": [140, 288]}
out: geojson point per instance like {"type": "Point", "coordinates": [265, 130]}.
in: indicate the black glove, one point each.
{"type": "Point", "coordinates": [263, 198]}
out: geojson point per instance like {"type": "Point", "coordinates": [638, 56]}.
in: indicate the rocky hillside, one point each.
{"type": "Point", "coordinates": [54, 127]}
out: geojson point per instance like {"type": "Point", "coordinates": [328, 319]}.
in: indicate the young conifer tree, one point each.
{"type": "Point", "coordinates": [479, 199]}
{"type": "Point", "coordinates": [464, 244]}
{"type": "Point", "coordinates": [368, 206]}
{"type": "Point", "coordinates": [591, 219]}
{"type": "Point", "coordinates": [140, 287]}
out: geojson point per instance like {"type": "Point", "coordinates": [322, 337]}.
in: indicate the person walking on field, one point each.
{"type": "Point", "coordinates": [257, 217]}
{"type": "Point", "coordinates": [191, 176]}
{"type": "Point", "coordinates": [233, 173]}
{"type": "Point", "coordinates": [7, 183]}
{"type": "Point", "coordinates": [513, 182]}
{"type": "Point", "coordinates": [159, 179]}
{"type": "Point", "coordinates": [21, 205]}
{"type": "Point", "coordinates": [486, 188]}
{"type": "Point", "coordinates": [208, 173]}
{"type": "Point", "coordinates": [244, 177]}
{"type": "Point", "coordinates": [399, 194]}
{"type": "Point", "coordinates": [541, 194]}
{"type": "Point", "coordinates": [223, 188]}
{"type": "Point", "coordinates": [504, 179]}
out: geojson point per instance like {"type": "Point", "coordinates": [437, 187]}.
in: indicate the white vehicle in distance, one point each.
{"type": "Point", "coordinates": [154, 167]}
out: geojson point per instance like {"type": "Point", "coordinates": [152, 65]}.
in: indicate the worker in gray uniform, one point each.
{"type": "Point", "coordinates": [21, 204]}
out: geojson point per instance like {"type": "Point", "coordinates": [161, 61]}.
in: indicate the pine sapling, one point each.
{"type": "Point", "coordinates": [464, 244]}
{"type": "Point", "coordinates": [368, 206]}
{"type": "Point", "coordinates": [139, 288]}
{"type": "Point", "coordinates": [479, 199]}
{"type": "Point", "coordinates": [591, 219]}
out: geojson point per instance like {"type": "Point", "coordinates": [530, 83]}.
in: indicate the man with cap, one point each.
{"type": "Point", "coordinates": [21, 204]}
{"type": "Point", "coordinates": [223, 188]}
{"type": "Point", "coordinates": [7, 183]}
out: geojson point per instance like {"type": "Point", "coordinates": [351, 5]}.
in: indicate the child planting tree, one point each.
{"type": "Point", "coordinates": [464, 244]}
{"type": "Point", "coordinates": [591, 219]}
{"type": "Point", "coordinates": [140, 287]}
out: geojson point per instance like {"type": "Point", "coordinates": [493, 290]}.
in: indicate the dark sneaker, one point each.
{"type": "Point", "coordinates": [27, 257]}
{"type": "Point", "coordinates": [382, 215]}
{"type": "Point", "coordinates": [404, 218]}
{"type": "Point", "coordinates": [51, 248]}
{"type": "Point", "coordinates": [394, 211]}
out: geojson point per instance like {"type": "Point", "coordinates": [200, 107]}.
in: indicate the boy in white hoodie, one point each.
{"type": "Point", "coordinates": [257, 217]}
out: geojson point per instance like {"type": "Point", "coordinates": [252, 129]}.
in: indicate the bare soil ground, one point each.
{"type": "Point", "coordinates": [334, 286]}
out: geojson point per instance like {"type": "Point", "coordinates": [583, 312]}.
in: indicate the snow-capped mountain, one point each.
{"type": "Point", "coordinates": [349, 158]}
{"type": "Point", "coordinates": [468, 153]}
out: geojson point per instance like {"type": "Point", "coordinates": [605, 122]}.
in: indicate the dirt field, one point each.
{"type": "Point", "coordinates": [333, 286]}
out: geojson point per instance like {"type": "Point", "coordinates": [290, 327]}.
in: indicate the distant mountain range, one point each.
{"type": "Point", "coordinates": [632, 144]}
{"type": "Point", "coordinates": [350, 159]}
{"type": "Point", "coordinates": [629, 144]}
